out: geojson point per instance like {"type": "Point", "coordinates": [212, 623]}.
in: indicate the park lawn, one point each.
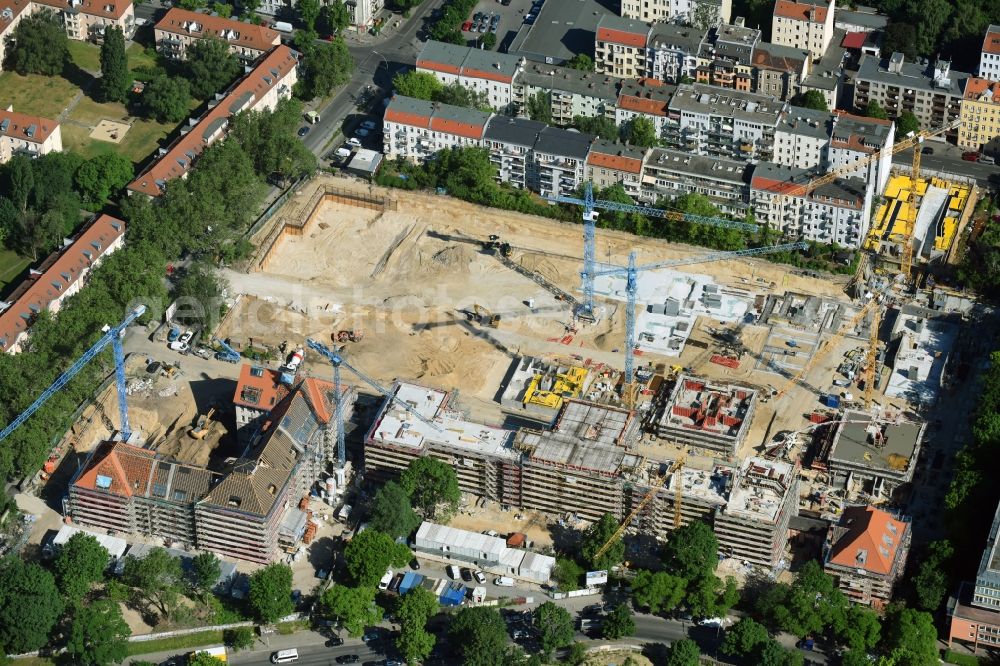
{"type": "Point", "coordinates": [45, 96]}
{"type": "Point", "coordinates": [137, 57]}
{"type": "Point", "coordinates": [140, 141]}
{"type": "Point", "coordinates": [11, 265]}
{"type": "Point", "coordinates": [87, 56]}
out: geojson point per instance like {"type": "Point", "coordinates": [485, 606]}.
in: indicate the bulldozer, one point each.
{"type": "Point", "coordinates": [484, 316]}
{"type": "Point", "coordinates": [203, 425]}
{"type": "Point", "coordinates": [352, 335]}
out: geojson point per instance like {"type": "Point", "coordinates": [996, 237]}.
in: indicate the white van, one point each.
{"type": "Point", "coordinates": [386, 579]}
{"type": "Point", "coordinates": [504, 581]}
{"type": "Point", "coordinates": [285, 656]}
{"type": "Point", "coordinates": [453, 572]}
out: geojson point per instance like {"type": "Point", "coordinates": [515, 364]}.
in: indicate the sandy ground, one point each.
{"type": "Point", "coordinates": [492, 518]}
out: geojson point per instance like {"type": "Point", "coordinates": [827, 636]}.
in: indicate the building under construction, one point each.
{"type": "Point", "coordinates": [714, 417]}
{"type": "Point", "coordinates": [753, 525]}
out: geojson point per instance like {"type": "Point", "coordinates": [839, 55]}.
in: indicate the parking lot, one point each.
{"type": "Point", "coordinates": [511, 17]}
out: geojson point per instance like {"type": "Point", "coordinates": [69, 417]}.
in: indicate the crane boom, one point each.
{"type": "Point", "coordinates": [113, 337]}
{"type": "Point", "coordinates": [871, 358]}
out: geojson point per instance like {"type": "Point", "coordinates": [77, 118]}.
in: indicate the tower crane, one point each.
{"type": "Point", "coordinates": [336, 360]}
{"type": "Point", "coordinates": [586, 309]}
{"type": "Point", "coordinates": [675, 468]}
{"type": "Point", "coordinates": [631, 274]}
{"type": "Point", "coordinates": [112, 336]}
{"type": "Point", "coordinates": [870, 306]}
{"type": "Point", "coordinates": [871, 358]}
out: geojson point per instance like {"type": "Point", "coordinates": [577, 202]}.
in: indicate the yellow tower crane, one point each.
{"type": "Point", "coordinates": [906, 262]}
{"type": "Point", "coordinates": [871, 358]}
{"type": "Point", "coordinates": [647, 498]}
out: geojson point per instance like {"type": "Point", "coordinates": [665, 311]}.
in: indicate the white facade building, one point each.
{"type": "Point", "coordinates": [678, 11]}
{"type": "Point", "coordinates": [486, 72]}
{"type": "Point", "coordinates": [415, 129]}
{"type": "Point", "coordinates": [803, 25]}
{"type": "Point", "coordinates": [30, 135]}
{"type": "Point", "coordinates": [989, 58]}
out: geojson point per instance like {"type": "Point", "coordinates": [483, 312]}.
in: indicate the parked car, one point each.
{"type": "Point", "coordinates": [348, 659]}
{"type": "Point", "coordinates": [970, 156]}
{"type": "Point", "coordinates": [303, 130]}
{"type": "Point", "coordinates": [386, 579]}
{"type": "Point", "coordinates": [335, 641]}
{"type": "Point", "coordinates": [414, 564]}
{"type": "Point", "coordinates": [986, 159]}
{"type": "Point", "coordinates": [179, 346]}
{"type": "Point", "coordinates": [466, 574]}
{"type": "Point", "coordinates": [480, 577]}
{"type": "Point", "coordinates": [484, 25]}
{"type": "Point", "coordinates": [354, 142]}
{"type": "Point", "coordinates": [503, 581]}
{"type": "Point", "coordinates": [467, 26]}
{"type": "Point", "coordinates": [361, 131]}
{"type": "Point", "coordinates": [369, 125]}
{"type": "Point", "coordinates": [371, 636]}
{"type": "Point", "coordinates": [186, 337]}
{"type": "Point", "coordinates": [927, 150]}
{"type": "Point", "coordinates": [173, 334]}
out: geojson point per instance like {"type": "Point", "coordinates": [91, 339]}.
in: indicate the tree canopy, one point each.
{"type": "Point", "coordinates": [811, 99]}
{"type": "Point", "coordinates": [480, 636]}
{"type": "Point", "coordinates": [594, 538]}
{"type": "Point", "coordinates": [413, 610]}
{"type": "Point", "coordinates": [744, 638]}
{"type": "Point", "coordinates": [540, 107]}
{"type": "Point", "coordinates": [391, 511]}
{"type": "Point", "coordinates": [658, 592]}
{"type": "Point", "coordinates": [80, 563]}
{"type": "Point", "coordinates": [39, 45]}
{"type": "Point", "coordinates": [101, 176]}
{"type": "Point", "coordinates": [684, 652]}
{"type": "Point", "coordinates": [875, 110]}
{"type": "Point", "coordinates": [353, 606]}
{"type": "Point", "coordinates": [692, 551]}
{"type": "Point", "coordinates": [370, 554]}
{"type": "Point", "coordinates": [167, 98]}
{"type": "Point", "coordinates": [29, 605]}
{"type": "Point", "coordinates": [156, 579]}
{"type": "Point", "coordinates": [555, 626]}
{"type": "Point", "coordinates": [98, 634]}
{"type": "Point", "coordinates": [325, 66]}
{"type": "Point", "coordinates": [581, 61]}
{"type": "Point", "coordinates": [271, 592]}
{"type": "Point", "coordinates": [906, 123]}
{"type": "Point", "coordinates": [601, 126]}
{"type": "Point", "coordinates": [431, 483]}
{"type": "Point", "coordinates": [640, 132]}
{"type": "Point", "coordinates": [618, 623]}
{"type": "Point", "coordinates": [269, 138]}
{"type": "Point", "coordinates": [211, 66]}
{"type": "Point", "coordinates": [910, 637]}
{"type": "Point", "coordinates": [115, 77]}
{"type": "Point", "coordinates": [205, 571]}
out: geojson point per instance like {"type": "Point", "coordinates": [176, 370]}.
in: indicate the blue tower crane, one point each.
{"type": "Point", "coordinates": [588, 202]}
{"type": "Point", "coordinates": [112, 336]}
{"type": "Point", "coordinates": [631, 274]}
{"type": "Point", "coordinates": [336, 360]}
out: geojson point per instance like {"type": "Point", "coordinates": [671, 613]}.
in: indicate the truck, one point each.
{"type": "Point", "coordinates": [344, 513]}
{"type": "Point", "coordinates": [312, 117]}
{"type": "Point", "coordinates": [283, 26]}
{"type": "Point", "coordinates": [219, 652]}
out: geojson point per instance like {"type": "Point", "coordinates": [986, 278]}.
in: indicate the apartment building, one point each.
{"type": "Point", "coordinates": [980, 113]}
{"type": "Point", "coordinates": [258, 391]}
{"type": "Point", "coordinates": [180, 28]}
{"type": "Point", "coordinates": [57, 278]}
{"type": "Point", "coordinates": [974, 611]}
{"type": "Point", "coordinates": [837, 212]}
{"type": "Point", "coordinates": [706, 120]}
{"type": "Point", "coordinates": [865, 552]}
{"type": "Point", "coordinates": [270, 81]}
{"type": "Point", "coordinates": [559, 162]}
{"type": "Point", "coordinates": [572, 92]}
{"type": "Point", "coordinates": [803, 25]}
{"type": "Point", "coordinates": [826, 75]}
{"type": "Point", "coordinates": [486, 72]}
{"type": "Point", "coordinates": [856, 138]}
{"type": "Point", "coordinates": [699, 413]}
{"type": "Point", "coordinates": [872, 456]}
{"type": "Point", "coordinates": [27, 135]}
{"type": "Point", "coordinates": [778, 70]}
{"type": "Point", "coordinates": [862, 20]}
{"type": "Point", "coordinates": [620, 47]}
{"type": "Point", "coordinates": [673, 173]}
{"type": "Point", "coordinates": [415, 129]}
{"type": "Point", "coordinates": [693, 12]}
{"type": "Point", "coordinates": [649, 99]}
{"type": "Point", "coordinates": [753, 525]}
{"type": "Point", "coordinates": [802, 138]}
{"type": "Point", "coordinates": [364, 12]}
{"type": "Point", "coordinates": [611, 163]}
{"type": "Point", "coordinates": [725, 56]}
{"type": "Point", "coordinates": [672, 51]}
{"type": "Point", "coordinates": [510, 142]}
{"type": "Point", "coordinates": [931, 91]}
{"type": "Point", "coordinates": [989, 57]}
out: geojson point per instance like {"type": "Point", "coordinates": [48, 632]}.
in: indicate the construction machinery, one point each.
{"type": "Point", "coordinates": [350, 335]}
{"type": "Point", "coordinates": [631, 274]}
{"type": "Point", "coordinates": [675, 468]}
{"type": "Point", "coordinates": [336, 360]}
{"type": "Point", "coordinates": [227, 353]}
{"type": "Point", "coordinates": [112, 336]}
{"type": "Point", "coordinates": [202, 425]}
{"type": "Point", "coordinates": [484, 316]}
{"type": "Point", "coordinates": [586, 308]}
{"type": "Point", "coordinates": [869, 307]}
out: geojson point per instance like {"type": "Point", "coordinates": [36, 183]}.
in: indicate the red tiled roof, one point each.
{"type": "Point", "coordinates": [458, 128]}
{"type": "Point", "coordinates": [991, 43]}
{"type": "Point", "coordinates": [975, 86]}
{"type": "Point", "coordinates": [621, 37]}
{"type": "Point", "coordinates": [616, 162]}
{"type": "Point", "coordinates": [124, 465]}
{"type": "Point", "coordinates": [654, 107]}
{"type": "Point", "coordinates": [177, 161]}
{"type": "Point", "coordinates": [15, 7]}
{"type": "Point", "coordinates": [444, 68]}
{"type": "Point", "coordinates": [799, 10]}
{"type": "Point", "coordinates": [500, 77]}
{"type": "Point", "coordinates": [259, 391]}
{"type": "Point", "coordinates": [873, 536]}
{"type": "Point", "coordinates": [110, 9]}
{"type": "Point", "coordinates": [248, 35]}
{"type": "Point", "coordinates": [18, 124]}
{"type": "Point", "coordinates": [854, 40]}
{"type": "Point", "coordinates": [57, 273]}
{"type": "Point", "coordinates": [394, 116]}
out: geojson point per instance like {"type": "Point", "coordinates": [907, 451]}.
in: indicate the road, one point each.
{"type": "Point", "coordinates": [948, 158]}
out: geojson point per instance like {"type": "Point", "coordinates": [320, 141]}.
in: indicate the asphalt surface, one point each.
{"type": "Point", "coordinates": [948, 158]}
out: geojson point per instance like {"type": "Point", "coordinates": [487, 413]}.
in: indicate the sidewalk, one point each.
{"type": "Point", "coordinates": [275, 642]}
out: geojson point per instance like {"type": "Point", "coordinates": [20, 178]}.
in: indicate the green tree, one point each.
{"type": "Point", "coordinates": [325, 66]}
{"type": "Point", "coordinates": [103, 175]}
{"type": "Point", "coordinates": [22, 181]}
{"type": "Point", "coordinates": [576, 654]}
{"type": "Point", "coordinates": [458, 95]}
{"type": "Point", "coordinates": [772, 653]}
{"type": "Point", "coordinates": [480, 636]}
{"type": "Point", "coordinates": [414, 609]}
{"type": "Point", "coordinates": [568, 574]}
{"type": "Point", "coordinates": [29, 605]}
{"type": "Point", "coordinates": [555, 626]}
{"type": "Point", "coordinates": [875, 110]}
{"type": "Point", "coordinates": [333, 17]}
{"type": "Point", "coordinates": [431, 483]}
{"type": "Point", "coordinates": [419, 85]}
{"type": "Point", "coordinates": [308, 11]}
{"type": "Point", "coordinates": [692, 551]}
{"type": "Point", "coordinates": [200, 289]}
{"type": "Point", "coordinates": [811, 99]}
{"type": "Point", "coordinates": [370, 554]}
{"type": "Point", "coordinates": [540, 107]}
{"type": "Point", "coordinates": [659, 592]}
{"type": "Point", "coordinates": [80, 563]}
{"type": "Point", "coordinates": [40, 45]}
{"type": "Point", "coordinates": [595, 537]}
{"type": "Point", "coordinates": [391, 511]}
{"type": "Point", "coordinates": [930, 585]}
{"type": "Point", "coordinates": [271, 592]}
{"type": "Point", "coordinates": [743, 638]}
{"type": "Point", "coordinates": [204, 659]}
{"type": "Point", "coordinates": [861, 630]}
{"type": "Point", "coordinates": [581, 61]}
{"type": "Point", "coordinates": [205, 572]}
{"type": "Point", "coordinates": [167, 98]}
{"type": "Point", "coordinates": [807, 606]}
{"type": "Point", "coordinates": [211, 66]}
{"type": "Point", "coordinates": [901, 37]}
{"type": "Point", "coordinates": [684, 652]}
{"type": "Point", "coordinates": [98, 634]}
{"type": "Point", "coordinates": [488, 41]}
{"type": "Point", "coordinates": [618, 623]}
{"type": "Point", "coordinates": [222, 9]}
{"type": "Point", "coordinates": [115, 78]}
{"type": "Point", "coordinates": [239, 638]}
{"type": "Point", "coordinates": [708, 596]}
{"type": "Point", "coordinates": [906, 123]}
{"type": "Point", "coordinates": [156, 579]}
{"type": "Point", "coordinates": [640, 132]}
{"type": "Point", "coordinates": [269, 138]}
{"type": "Point", "coordinates": [931, 17]}
{"type": "Point", "coordinates": [601, 126]}
{"type": "Point", "coordinates": [910, 636]}
{"type": "Point", "coordinates": [354, 607]}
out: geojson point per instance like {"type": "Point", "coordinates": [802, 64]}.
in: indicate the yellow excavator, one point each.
{"type": "Point", "coordinates": [484, 316]}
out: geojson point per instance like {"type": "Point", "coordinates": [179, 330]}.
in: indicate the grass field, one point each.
{"type": "Point", "coordinates": [11, 265]}
{"type": "Point", "coordinates": [201, 639]}
{"type": "Point", "coordinates": [36, 95]}
{"type": "Point", "coordinates": [87, 56]}
{"type": "Point", "coordinates": [140, 141]}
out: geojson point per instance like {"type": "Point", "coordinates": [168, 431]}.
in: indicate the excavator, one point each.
{"type": "Point", "coordinates": [483, 316]}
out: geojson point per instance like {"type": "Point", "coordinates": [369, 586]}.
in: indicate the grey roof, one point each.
{"type": "Point", "coordinates": [806, 122]}
{"type": "Point", "coordinates": [863, 19]}
{"type": "Point", "coordinates": [442, 52]}
{"type": "Point", "coordinates": [700, 98]}
{"type": "Point", "coordinates": [411, 105]}
{"type": "Point", "coordinates": [782, 51]}
{"type": "Point", "coordinates": [561, 30]}
{"type": "Point", "coordinates": [461, 114]}
{"type": "Point", "coordinates": [663, 92]}
{"type": "Point", "coordinates": [464, 57]}
{"type": "Point", "coordinates": [911, 75]}
{"type": "Point", "coordinates": [901, 439]}
{"type": "Point", "coordinates": [826, 74]}
{"type": "Point", "coordinates": [514, 131]}
{"type": "Point", "coordinates": [606, 147]}
{"type": "Point", "coordinates": [555, 141]}
{"type": "Point", "coordinates": [567, 79]}
{"type": "Point", "coordinates": [732, 42]}
{"type": "Point", "coordinates": [623, 24]}
{"type": "Point", "coordinates": [871, 132]}
{"type": "Point", "coordinates": [697, 165]}
{"type": "Point", "coordinates": [849, 189]}
{"type": "Point", "coordinates": [682, 37]}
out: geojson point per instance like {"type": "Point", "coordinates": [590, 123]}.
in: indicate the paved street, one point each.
{"type": "Point", "coordinates": [948, 158]}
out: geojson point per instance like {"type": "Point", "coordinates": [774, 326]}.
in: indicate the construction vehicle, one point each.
{"type": "Point", "coordinates": [493, 244]}
{"type": "Point", "coordinates": [227, 354]}
{"type": "Point", "coordinates": [112, 336]}
{"type": "Point", "coordinates": [647, 498]}
{"type": "Point", "coordinates": [351, 335]}
{"type": "Point", "coordinates": [484, 316]}
{"type": "Point", "coordinates": [203, 425]}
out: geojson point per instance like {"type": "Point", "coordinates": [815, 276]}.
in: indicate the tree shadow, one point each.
{"type": "Point", "coordinates": [79, 77]}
